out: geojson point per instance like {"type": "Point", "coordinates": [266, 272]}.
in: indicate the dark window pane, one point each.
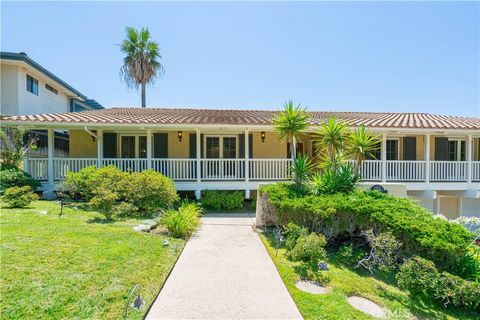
{"type": "Point", "coordinates": [142, 147]}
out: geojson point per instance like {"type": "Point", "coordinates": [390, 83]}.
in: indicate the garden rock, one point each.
{"type": "Point", "coordinates": [151, 223]}
{"type": "Point", "coordinates": [323, 266]}
{"type": "Point", "coordinates": [311, 287]}
{"type": "Point", "coordinates": [366, 306]}
{"type": "Point", "coordinates": [142, 228]}
{"type": "Point", "coordinates": [43, 212]}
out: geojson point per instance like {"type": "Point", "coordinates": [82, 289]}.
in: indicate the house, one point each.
{"type": "Point", "coordinates": [436, 157]}
{"type": "Point", "coordinates": [28, 88]}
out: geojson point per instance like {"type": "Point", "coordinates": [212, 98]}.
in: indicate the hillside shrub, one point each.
{"type": "Point", "coordinates": [14, 177]}
{"type": "Point", "coordinates": [421, 278]}
{"type": "Point", "coordinates": [181, 223]}
{"type": "Point", "coordinates": [222, 200]}
{"type": "Point", "coordinates": [148, 190]}
{"type": "Point", "coordinates": [309, 249]}
{"type": "Point", "coordinates": [18, 197]}
{"type": "Point", "coordinates": [293, 232]}
{"type": "Point", "coordinates": [338, 214]}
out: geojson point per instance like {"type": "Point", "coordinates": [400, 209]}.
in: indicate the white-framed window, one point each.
{"type": "Point", "coordinates": [221, 146]}
{"type": "Point", "coordinates": [133, 146]}
{"type": "Point", "coordinates": [456, 150]}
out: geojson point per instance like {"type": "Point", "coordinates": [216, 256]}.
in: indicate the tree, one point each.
{"type": "Point", "coordinates": [140, 64]}
{"type": "Point", "coordinates": [15, 143]}
{"type": "Point", "coordinates": [332, 137]}
{"type": "Point", "coordinates": [289, 123]}
{"type": "Point", "coordinates": [361, 144]}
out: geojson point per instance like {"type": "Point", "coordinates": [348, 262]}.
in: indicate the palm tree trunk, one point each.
{"type": "Point", "coordinates": [144, 99]}
{"type": "Point", "coordinates": [294, 149]}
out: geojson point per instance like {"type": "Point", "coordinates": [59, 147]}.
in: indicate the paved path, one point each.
{"type": "Point", "coordinates": [224, 272]}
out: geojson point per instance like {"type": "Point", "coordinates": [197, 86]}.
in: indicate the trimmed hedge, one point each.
{"type": "Point", "coordinates": [333, 215]}
{"type": "Point", "coordinates": [222, 200]}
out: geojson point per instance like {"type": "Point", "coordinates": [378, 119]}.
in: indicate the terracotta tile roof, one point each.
{"type": "Point", "coordinates": [166, 116]}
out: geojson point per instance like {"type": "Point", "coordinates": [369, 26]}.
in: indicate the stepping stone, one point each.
{"type": "Point", "coordinates": [311, 287]}
{"type": "Point", "coordinates": [367, 306]}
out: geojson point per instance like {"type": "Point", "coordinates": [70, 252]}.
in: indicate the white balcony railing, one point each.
{"type": "Point", "coordinates": [259, 169]}
{"type": "Point", "coordinates": [448, 170]}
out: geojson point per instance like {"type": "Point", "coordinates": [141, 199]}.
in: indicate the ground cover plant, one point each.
{"type": "Point", "coordinates": [75, 266]}
{"type": "Point", "coordinates": [347, 281]}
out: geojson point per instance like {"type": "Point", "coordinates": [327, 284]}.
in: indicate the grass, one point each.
{"type": "Point", "coordinates": [346, 282]}
{"type": "Point", "coordinates": [77, 266]}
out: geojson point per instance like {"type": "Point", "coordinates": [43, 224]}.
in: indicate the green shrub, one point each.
{"type": "Point", "coordinates": [19, 197]}
{"type": "Point", "coordinates": [181, 223]}
{"type": "Point", "coordinates": [103, 201]}
{"type": "Point", "coordinates": [344, 179]}
{"type": "Point", "coordinates": [421, 278]}
{"type": "Point", "coordinates": [293, 232]}
{"type": "Point", "coordinates": [350, 255]}
{"type": "Point", "coordinates": [334, 215]}
{"type": "Point", "coordinates": [148, 190]}
{"type": "Point", "coordinates": [78, 184]}
{"type": "Point", "coordinates": [309, 249]}
{"type": "Point", "coordinates": [125, 210]}
{"type": "Point", "coordinates": [14, 177]}
{"type": "Point", "coordinates": [222, 200]}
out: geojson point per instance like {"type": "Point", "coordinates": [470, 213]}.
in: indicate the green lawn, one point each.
{"type": "Point", "coordinates": [346, 282]}
{"type": "Point", "coordinates": [76, 266]}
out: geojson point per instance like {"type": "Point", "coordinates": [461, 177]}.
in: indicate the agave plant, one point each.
{"type": "Point", "coordinates": [290, 122]}
{"type": "Point", "coordinates": [344, 179]}
{"type": "Point", "coordinates": [301, 169]}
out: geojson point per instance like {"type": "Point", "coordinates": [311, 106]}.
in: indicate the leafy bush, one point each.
{"type": "Point", "coordinates": [19, 197]}
{"type": "Point", "coordinates": [344, 179]}
{"type": "Point", "coordinates": [350, 255]}
{"type": "Point", "coordinates": [79, 184]}
{"type": "Point", "coordinates": [14, 177]}
{"type": "Point", "coordinates": [309, 249]}
{"type": "Point", "coordinates": [384, 251]}
{"type": "Point", "coordinates": [183, 222]}
{"type": "Point", "coordinates": [293, 232]}
{"type": "Point", "coordinates": [415, 227]}
{"type": "Point", "coordinates": [149, 190]}
{"type": "Point", "coordinates": [124, 210]}
{"type": "Point", "coordinates": [222, 200]}
{"type": "Point", "coordinates": [420, 277]}
{"type": "Point", "coordinates": [104, 201]}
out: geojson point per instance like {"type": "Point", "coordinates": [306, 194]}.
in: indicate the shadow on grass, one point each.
{"type": "Point", "coordinates": [100, 220]}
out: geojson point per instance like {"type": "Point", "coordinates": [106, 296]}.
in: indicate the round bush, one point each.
{"type": "Point", "coordinates": [310, 249]}
{"type": "Point", "coordinates": [19, 197]}
{"type": "Point", "coordinates": [14, 177]}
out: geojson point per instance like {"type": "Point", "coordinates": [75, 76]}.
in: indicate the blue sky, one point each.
{"type": "Point", "coordinates": [373, 56]}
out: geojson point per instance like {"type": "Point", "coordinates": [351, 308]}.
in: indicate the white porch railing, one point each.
{"type": "Point", "coordinates": [476, 171]}
{"type": "Point", "coordinates": [448, 170]}
{"type": "Point", "coordinates": [259, 169]}
{"type": "Point", "coordinates": [270, 169]}
{"type": "Point", "coordinates": [406, 170]}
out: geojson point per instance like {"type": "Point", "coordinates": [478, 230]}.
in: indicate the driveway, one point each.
{"type": "Point", "coordinates": [224, 272]}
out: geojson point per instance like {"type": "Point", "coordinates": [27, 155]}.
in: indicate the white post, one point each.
{"type": "Point", "coordinates": [198, 144]}
{"type": "Point", "coordinates": [149, 148]}
{"type": "Point", "coordinates": [50, 154]}
{"type": "Point", "coordinates": [427, 157]}
{"type": "Point", "coordinates": [469, 158]}
{"type": "Point", "coordinates": [99, 148]}
{"type": "Point", "coordinates": [384, 157]}
{"type": "Point", "coordinates": [247, 170]}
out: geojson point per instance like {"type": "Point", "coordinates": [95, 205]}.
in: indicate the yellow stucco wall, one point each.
{"type": "Point", "coordinates": [179, 149]}
{"type": "Point", "coordinates": [271, 148]}
{"type": "Point", "coordinates": [420, 147]}
{"type": "Point", "coordinates": [81, 145]}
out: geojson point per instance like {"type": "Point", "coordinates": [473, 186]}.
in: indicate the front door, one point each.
{"type": "Point", "coordinates": [220, 147]}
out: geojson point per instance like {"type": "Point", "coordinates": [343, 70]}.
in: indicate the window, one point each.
{"type": "Point", "coordinates": [392, 149]}
{"type": "Point", "coordinates": [133, 146]}
{"type": "Point", "coordinates": [51, 89]}
{"type": "Point", "coordinates": [32, 85]}
{"type": "Point", "coordinates": [456, 150]}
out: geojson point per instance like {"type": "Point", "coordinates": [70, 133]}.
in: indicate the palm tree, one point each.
{"type": "Point", "coordinates": [332, 137]}
{"type": "Point", "coordinates": [140, 65]}
{"type": "Point", "coordinates": [289, 123]}
{"type": "Point", "coordinates": [361, 144]}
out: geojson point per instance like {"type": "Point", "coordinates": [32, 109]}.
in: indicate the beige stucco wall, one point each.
{"type": "Point", "coordinates": [420, 148]}
{"type": "Point", "coordinates": [81, 145]}
{"type": "Point", "coordinates": [271, 148]}
{"type": "Point", "coordinates": [179, 149]}
{"type": "Point", "coordinates": [9, 90]}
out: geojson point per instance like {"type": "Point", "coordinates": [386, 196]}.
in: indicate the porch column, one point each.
{"type": "Point", "coordinates": [384, 157]}
{"type": "Point", "coordinates": [50, 153]}
{"type": "Point", "coordinates": [469, 158]}
{"type": "Point", "coordinates": [99, 148]}
{"type": "Point", "coordinates": [149, 148]}
{"type": "Point", "coordinates": [199, 167]}
{"type": "Point", "coordinates": [427, 157]}
{"type": "Point", "coordinates": [247, 170]}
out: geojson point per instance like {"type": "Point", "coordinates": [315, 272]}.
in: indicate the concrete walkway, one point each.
{"type": "Point", "coordinates": [224, 272]}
